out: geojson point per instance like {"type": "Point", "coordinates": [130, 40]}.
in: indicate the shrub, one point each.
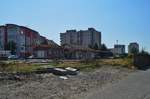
{"type": "Point", "coordinates": [87, 61]}
{"type": "Point", "coordinates": [56, 62]}
{"type": "Point", "coordinates": [4, 66]}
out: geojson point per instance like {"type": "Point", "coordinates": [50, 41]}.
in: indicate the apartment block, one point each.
{"type": "Point", "coordinates": [82, 38]}
{"type": "Point", "coordinates": [24, 38]}
{"type": "Point", "coordinates": [133, 48]}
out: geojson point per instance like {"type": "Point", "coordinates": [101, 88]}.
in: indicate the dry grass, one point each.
{"type": "Point", "coordinates": [82, 65]}
{"type": "Point", "coordinates": [125, 62]}
{"type": "Point", "coordinates": [18, 67]}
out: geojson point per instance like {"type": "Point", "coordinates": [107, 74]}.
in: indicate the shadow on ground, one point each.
{"type": "Point", "coordinates": [143, 68]}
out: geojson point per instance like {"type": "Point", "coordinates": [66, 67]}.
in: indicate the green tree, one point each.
{"type": "Point", "coordinates": [134, 51]}
{"type": "Point", "coordinates": [95, 46]}
{"type": "Point", "coordinates": [0, 45]}
{"type": "Point", "coordinates": [143, 52]}
{"type": "Point", "coordinates": [90, 46]}
{"type": "Point", "coordinates": [11, 45]}
{"type": "Point", "coordinates": [103, 47]}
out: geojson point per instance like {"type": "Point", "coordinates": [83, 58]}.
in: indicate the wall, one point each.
{"type": "Point", "coordinates": [142, 61]}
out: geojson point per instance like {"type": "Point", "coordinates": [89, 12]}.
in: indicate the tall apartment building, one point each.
{"type": "Point", "coordinates": [24, 38]}
{"type": "Point", "coordinates": [133, 48]}
{"type": "Point", "coordinates": [82, 38]}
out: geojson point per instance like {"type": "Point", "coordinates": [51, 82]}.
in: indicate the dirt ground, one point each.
{"type": "Point", "coordinates": [49, 86]}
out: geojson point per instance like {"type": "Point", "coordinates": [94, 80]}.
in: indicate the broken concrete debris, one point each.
{"type": "Point", "coordinates": [63, 77]}
{"type": "Point", "coordinates": [62, 73]}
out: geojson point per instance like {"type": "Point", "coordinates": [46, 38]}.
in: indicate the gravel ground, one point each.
{"type": "Point", "coordinates": [49, 86]}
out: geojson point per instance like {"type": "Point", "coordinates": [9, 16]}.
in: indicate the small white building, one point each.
{"type": "Point", "coordinates": [118, 49]}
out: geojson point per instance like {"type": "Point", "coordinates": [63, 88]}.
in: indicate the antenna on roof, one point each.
{"type": "Point", "coordinates": [117, 42]}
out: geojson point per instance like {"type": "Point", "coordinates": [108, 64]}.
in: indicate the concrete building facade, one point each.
{"type": "Point", "coordinates": [78, 53]}
{"type": "Point", "coordinates": [118, 49]}
{"type": "Point", "coordinates": [82, 38]}
{"type": "Point", "coordinates": [24, 38]}
{"type": "Point", "coordinates": [2, 37]}
{"type": "Point", "coordinates": [133, 48]}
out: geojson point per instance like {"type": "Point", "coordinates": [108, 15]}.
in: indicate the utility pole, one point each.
{"type": "Point", "coordinates": [117, 47]}
{"type": "Point", "coordinates": [117, 42]}
{"type": "Point", "coordinates": [11, 47]}
{"type": "Point", "coordinates": [25, 46]}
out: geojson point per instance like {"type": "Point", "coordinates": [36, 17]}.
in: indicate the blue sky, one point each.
{"type": "Point", "coordinates": [123, 20]}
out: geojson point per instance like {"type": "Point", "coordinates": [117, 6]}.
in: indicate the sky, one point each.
{"type": "Point", "coordinates": [123, 20]}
